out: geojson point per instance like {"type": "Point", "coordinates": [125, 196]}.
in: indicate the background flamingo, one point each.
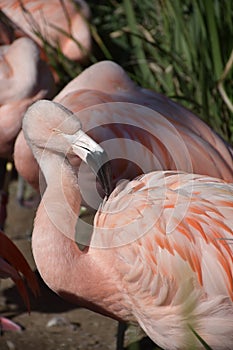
{"type": "Point", "coordinates": [13, 265]}
{"type": "Point", "coordinates": [24, 78]}
{"type": "Point", "coordinates": [166, 261]}
{"type": "Point", "coordinates": [62, 23]}
{"type": "Point", "coordinates": [106, 83]}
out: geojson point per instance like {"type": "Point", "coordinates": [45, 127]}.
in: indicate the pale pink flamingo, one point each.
{"type": "Point", "coordinates": [24, 78]}
{"type": "Point", "coordinates": [97, 90]}
{"type": "Point", "coordinates": [62, 23]}
{"type": "Point", "coordinates": [110, 82]}
{"type": "Point", "coordinates": [25, 161]}
{"type": "Point", "coordinates": [13, 265]}
{"type": "Point", "coordinates": [160, 252]}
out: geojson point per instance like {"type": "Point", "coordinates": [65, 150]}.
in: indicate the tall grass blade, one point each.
{"type": "Point", "coordinates": [206, 346]}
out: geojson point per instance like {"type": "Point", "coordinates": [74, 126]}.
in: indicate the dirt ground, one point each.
{"type": "Point", "coordinates": [53, 323]}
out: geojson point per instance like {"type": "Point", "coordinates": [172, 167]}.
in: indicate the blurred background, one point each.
{"type": "Point", "coordinates": [181, 48]}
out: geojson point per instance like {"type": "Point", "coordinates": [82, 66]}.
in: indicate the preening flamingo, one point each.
{"type": "Point", "coordinates": [13, 265]}
{"type": "Point", "coordinates": [96, 91]}
{"type": "Point", "coordinates": [160, 252]}
{"type": "Point", "coordinates": [62, 23]}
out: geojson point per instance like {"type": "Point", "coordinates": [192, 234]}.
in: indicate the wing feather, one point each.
{"type": "Point", "coordinates": [14, 265]}
{"type": "Point", "coordinates": [178, 270]}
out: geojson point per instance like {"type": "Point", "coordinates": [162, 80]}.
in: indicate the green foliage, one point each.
{"type": "Point", "coordinates": [205, 345]}
{"type": "Point", "coordinates": [178, 47]}
{"type": "Point", "coordinates": [182, 48]}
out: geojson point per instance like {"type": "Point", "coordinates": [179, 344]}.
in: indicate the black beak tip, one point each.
{"type": "Point", "coordinates": [105, 178]}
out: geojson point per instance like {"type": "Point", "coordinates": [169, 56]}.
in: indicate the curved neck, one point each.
{"type": "Point", "coordinates": [62, 198]}
{"type": "Point", "coordinates": [85, 277]}
{"type": "Point", "coordinates": [75, 275]}
{"type": "Point", "coordinates": [54, 249]}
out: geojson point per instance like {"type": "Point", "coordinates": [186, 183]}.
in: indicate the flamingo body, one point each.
{"type": "Point", "coordinates": [124, 119]}
{"type": "Point", "coordinates": [160, 252]}
{"type": "Point", "coordinates": [55, 21]}
{"type": "Point", "coordinates": [107, 82]}
{"type": "Point", "coordinates": [176, 270]}
{"type": "Point", "coordinates": [126, 114]}
{"type": "Point", "coordinates": [24, 78]}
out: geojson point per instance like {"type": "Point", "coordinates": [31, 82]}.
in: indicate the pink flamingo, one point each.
{"type": "Point", "coordinates": [159, 253]}
{"type": "Point", "coordinates": [24, 78]}
{"type": "Point", "coordinates": [110, 99]}
{"type": "Point", "coordinates": [108, 82]}
{"type": "Point", "coordinates": [13, 265]}
{"type": "Point", "coordinates": [62, 23]}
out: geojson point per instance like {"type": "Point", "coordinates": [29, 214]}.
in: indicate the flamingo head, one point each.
{"type": "Point", "coordinates": [50, 126]}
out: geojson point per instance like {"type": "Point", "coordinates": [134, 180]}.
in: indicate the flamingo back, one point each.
{"type": "Point", "coordinates": [171, 238]}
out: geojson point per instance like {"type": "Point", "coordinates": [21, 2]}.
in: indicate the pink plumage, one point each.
{"type": "Point", "coordinates": [160, 251]}
{"type": "Point", "coordinates": [141, 130]}
{"type": "Point", "coordinates": [60, 23]}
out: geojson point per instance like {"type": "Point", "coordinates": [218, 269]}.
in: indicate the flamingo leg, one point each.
{"type": "Point", "coordinates": [32, 201]}
{"type": "Point", "coordinates": [3, 208]}
{"type": "Point", "coordinates": [5, 177]}
{"type": "Point", "coordinates": [121, 329]}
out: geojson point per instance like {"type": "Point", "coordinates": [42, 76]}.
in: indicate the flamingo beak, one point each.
{"type": "Point", "coordinates": [95, 156]}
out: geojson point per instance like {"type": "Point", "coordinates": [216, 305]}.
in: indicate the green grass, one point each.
{"type": "Point", "coordinates": [180, 48]}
